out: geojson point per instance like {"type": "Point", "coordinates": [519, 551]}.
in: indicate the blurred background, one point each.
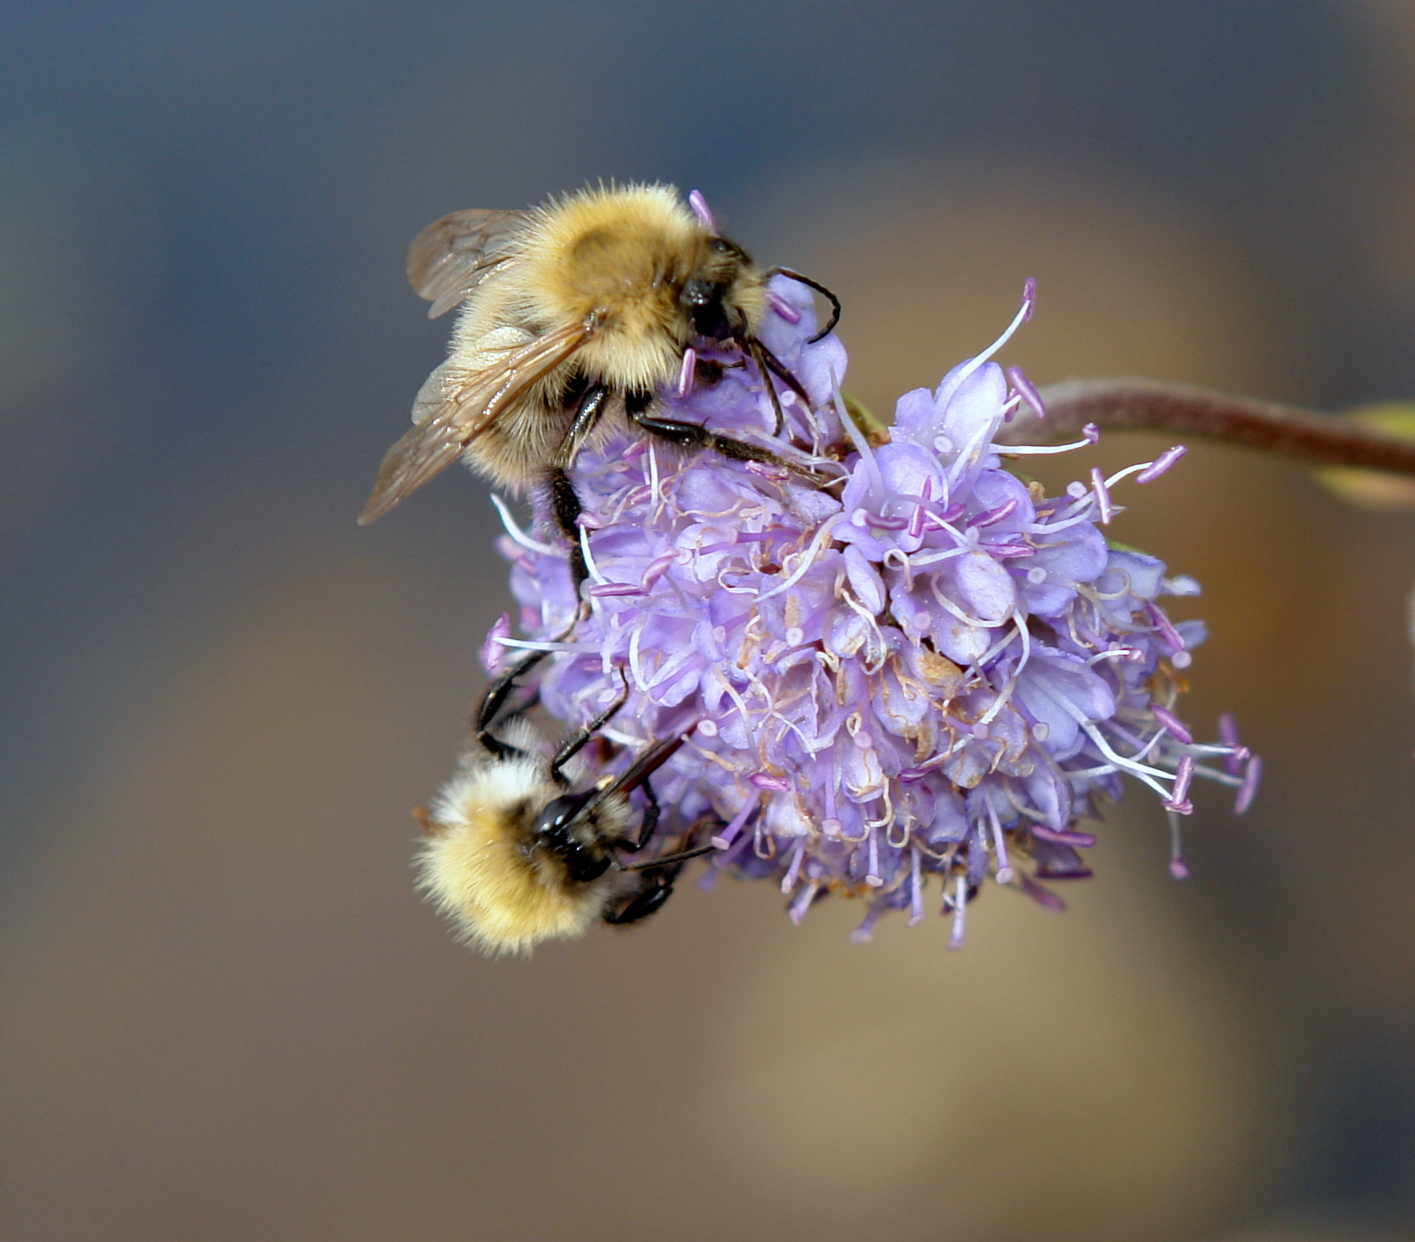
{"type": "Point", "coordinates": [224, 1013]}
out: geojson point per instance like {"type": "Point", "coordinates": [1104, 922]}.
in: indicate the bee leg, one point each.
{"type": "Point", "coordinates": [659, 874]}
{"type": "Point", "coordinates": [758, 356]}
{"type": "Point", "coordinates": [499, 691]}
{"type": "Point", "coordinates": [655, 891]}
{"type": "Point", "coordinates": [565, 505]}
{"type": "Point", "coordinates": [495, 699]}
{"type": "Point", "coordinates": [768, 361]}
{"type": "Point", "coordinates": [576, 742]}
{"type": "Point", "coordinates": [696, 436]}
{"type": "Point", "coordinates": [565, 501]}
{"type": "Point", "coordinates": [655, 881]}
{"type": "Point", "coordinates": [589, 411]}
{"type": "Point", "coordinates": [647, 825]}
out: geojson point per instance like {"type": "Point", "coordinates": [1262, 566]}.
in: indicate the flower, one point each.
{"type": "Point", "coordinates": [926, 667]}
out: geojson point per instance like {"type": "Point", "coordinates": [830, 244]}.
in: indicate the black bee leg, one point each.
{"type": "Point", "coordinates": [696, 436]}
{"type": "Point", "coordinates": [589, 411]}
{"type": "Point", "coordinates": [659, 874]}
{"type": "Point", "coordinates": [499, 691]}
{"type": "Point", "coordinates": [768, 361]}
{"type": "Point", "coordinates": [577, 741]}
{"type": "Point", "coordinates": [646, 901]}
{"type": "Point", "coordinates": [819, 288]}
{"type": "Point", "coordinates": [565, 505]}
{"type": "Point", "coordinates": [647, 824]}
{"type": "Point", "coordinates": [495, 699]}
{"type": "Point", "coordinates": [564, 500]}
{"type": "Point", "coordinates": [754, 348]}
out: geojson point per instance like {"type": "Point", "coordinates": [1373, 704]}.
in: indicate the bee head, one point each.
{"type": "Point", "coordinates": [716, 296]}
{"type": "Point", "coordinates": [569, 829]}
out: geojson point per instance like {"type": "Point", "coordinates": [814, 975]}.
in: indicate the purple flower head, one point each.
{"type": "Point", "coordinates": [924, 668]}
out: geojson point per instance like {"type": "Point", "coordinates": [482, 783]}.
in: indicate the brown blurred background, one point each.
{"type": "Point", "coordinates": [224, 1014]}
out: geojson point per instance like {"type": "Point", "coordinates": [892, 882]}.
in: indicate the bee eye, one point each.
{"type": "Point", "coordinates": [719, 245]}
{"type": "Point", "coordinates": [553, 823]}
{"type": "Point", "coordinates": [552, 832]}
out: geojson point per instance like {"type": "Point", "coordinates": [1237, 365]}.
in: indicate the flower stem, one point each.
{"type": "Point", "coordinates": [1150, 405]}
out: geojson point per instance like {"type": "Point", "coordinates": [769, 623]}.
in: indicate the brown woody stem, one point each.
{"type": "Point", "coordinates": [1148, 405]}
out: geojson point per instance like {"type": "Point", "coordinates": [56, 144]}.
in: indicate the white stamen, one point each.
{"type": "Point", "coordinates": [590, 565]}
{"type": "Point", "coordinates": [960, 906]}
{"type": "Point", "coordinates": [1003, 874]}
{"type": "Point", "coordinates": [531, 645]}
{"type": "Point", "coordinates": [808, 557]}
{"type": "Point", "coordinates": [798, 853]}
{"type": "Point", "coordinates": [515, 531]}
{"type": "Point", "coordinates": [1102, 494]}
{"type": "Point", "coordinates": [916, 888]}
{"type": "Point", "coordinates": [1021, 317]}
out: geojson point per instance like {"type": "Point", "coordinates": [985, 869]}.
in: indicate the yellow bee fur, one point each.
{"type": "Point", "coordinates": [602, 290]}
{"type": "Point", "coordinates": [484, 866]}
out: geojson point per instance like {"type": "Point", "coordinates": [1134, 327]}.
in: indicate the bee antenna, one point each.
{"type": "Point", "coordinates": [834, 301]}
{"type": "Point", "coordinates": [577, 741]}
{"type": "Point", "coordinates": [669, 860]}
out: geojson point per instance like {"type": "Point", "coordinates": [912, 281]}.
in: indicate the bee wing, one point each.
{"type": "Point", "coordinates": [459, 406]}
{"type": "Point", "coordinates": [452, 256]}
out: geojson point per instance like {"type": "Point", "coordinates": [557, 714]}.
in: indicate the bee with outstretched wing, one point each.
{"type": "Point", "coordinates": [576, 312]}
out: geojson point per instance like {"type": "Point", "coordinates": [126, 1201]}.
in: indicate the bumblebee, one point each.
{"type": "Point", "coordinates": [573, 316]}
{"type": "Point", "coordinates": [520, 849]}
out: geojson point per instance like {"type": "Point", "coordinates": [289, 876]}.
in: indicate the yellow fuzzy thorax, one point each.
{"type": "Point", "coordinates": [623, 253]}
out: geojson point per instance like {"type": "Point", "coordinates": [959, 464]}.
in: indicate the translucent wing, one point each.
{"type": "Point", "coordinates": [461, 405]}
{"type": "Point", "coordinates": [450, 258]}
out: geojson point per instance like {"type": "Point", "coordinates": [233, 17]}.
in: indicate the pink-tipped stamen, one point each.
{"type": "Point", "coordinates": [1077, 840]}
{"type": "Point", "coordinates": [1025, 389]}
{"type": "Point", "coordinates": [688, 372]}
{"type": "Point", "coordinates": [1178, 866]}
{"type": "Point", "coordinates": [1044, 897]}
{"type": "Point", "coordinates": [1249, 789]}
{"type": "Point", "coordinates": [1228, 733]}
{"type": "Point", "coordinates": [1160, 464]}
{"type": "Point", "coordinates": [1172, 637]}
{"type": "Point", "coordinates": [1177, 801]}
{"type": "Point", "coordinates": [1090, 434]}
{"type": "Point", "coordinates": [700, 209]}
{"type": "Point", "coordinates": [1172, 722]}
{"type": "Point", "coordinates": [1004, 510]}
{"type": "Point", "coordinates": [783, 308]}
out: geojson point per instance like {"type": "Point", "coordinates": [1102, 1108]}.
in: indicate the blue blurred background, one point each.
{"type": "Point", "coordinates": [224, 1014]}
